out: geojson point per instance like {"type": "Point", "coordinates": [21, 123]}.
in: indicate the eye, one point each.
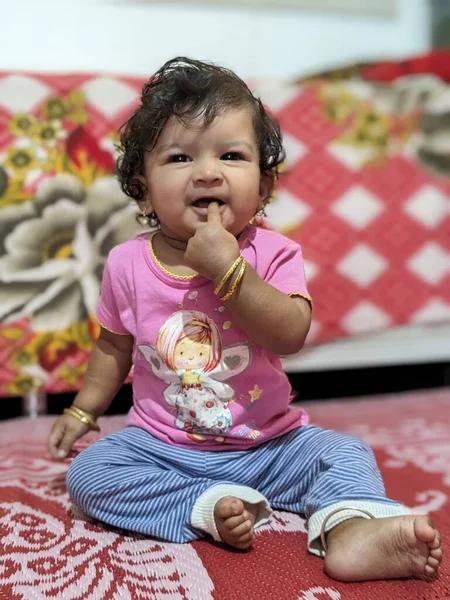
{"type": "Point", "coordinates": [201, 353]}
{"type": "Point", "coordinates": [179, 158]}
{"type": "Point", "coordinates": [232, 156]}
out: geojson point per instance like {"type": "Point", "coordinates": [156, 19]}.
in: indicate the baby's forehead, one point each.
{"type": "Point", "coordinates": [229, 122]}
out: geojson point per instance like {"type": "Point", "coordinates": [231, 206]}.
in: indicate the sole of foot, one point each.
{"type": "Point", "coordinates": [391, 548]}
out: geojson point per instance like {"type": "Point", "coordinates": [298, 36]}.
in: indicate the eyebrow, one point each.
{"type": "Point", "coordinates": [168, 146]}
{"type": "Point", "coordinates": [228, 143]}
{"type": "Point", "coordinates": [240, 143]}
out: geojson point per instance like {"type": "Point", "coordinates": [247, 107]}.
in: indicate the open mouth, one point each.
{"type": "Point", "coordinates": [205, 202]}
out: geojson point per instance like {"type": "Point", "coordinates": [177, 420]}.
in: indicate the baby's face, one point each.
{"type": "Point", "coordinates": [190, 354]}
{"type": "Point", "coordinates": [191, 166]}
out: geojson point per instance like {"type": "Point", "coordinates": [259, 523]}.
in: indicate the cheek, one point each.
{"type": "Point", "coordinates": [249, 179]}
{"type": "Point", "coordinates": [165, 185]}
{"type": "Point", "coordinates": [246, 194]}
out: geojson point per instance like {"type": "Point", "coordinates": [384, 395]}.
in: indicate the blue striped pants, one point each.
{"type": "Point", "coordinates": [132, 480]}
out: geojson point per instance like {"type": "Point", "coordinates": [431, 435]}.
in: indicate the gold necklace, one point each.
{"type": "Point", "coordinates": [162, 267]}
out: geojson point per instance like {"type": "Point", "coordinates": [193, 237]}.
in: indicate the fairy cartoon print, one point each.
{"type": "Point", "coordinates": [189, 356]}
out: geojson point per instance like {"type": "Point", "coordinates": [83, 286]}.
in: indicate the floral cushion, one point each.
{"type": "Point", "coordinates": [61, 211]}
{"type": "Point", "coordinates": [365, 190]}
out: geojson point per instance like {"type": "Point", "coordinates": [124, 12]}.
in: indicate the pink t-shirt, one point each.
{"type": "Point", "coordinates": [198, 381]}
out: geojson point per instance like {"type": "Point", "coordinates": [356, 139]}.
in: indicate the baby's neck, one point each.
{"type": "Point", "coordinates": [174, 242]}
{"type": "Point", "coordinates": [170, 254]}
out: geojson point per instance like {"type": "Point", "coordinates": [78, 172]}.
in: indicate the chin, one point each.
{"type": "Point", "coordinates": [237, 228]}
{"type": "Point", "coordinates": [193, 227]}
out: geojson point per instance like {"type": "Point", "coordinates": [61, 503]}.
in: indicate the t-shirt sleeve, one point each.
{"type": "Point", "coordinates": [286, 271]}
{"type": "Point", "coordinates": [108, 312]}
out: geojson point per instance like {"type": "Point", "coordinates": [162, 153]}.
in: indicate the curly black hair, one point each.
{"type": "Point", "coordinates": [188, 89]}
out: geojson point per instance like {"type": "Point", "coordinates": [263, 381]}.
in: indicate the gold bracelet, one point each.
{"type": "Point", "coordinates": [82, 413]}
{"type": "Point", "coordinates": [228, 274]}
{"type": "Point", "coordinates": [236, 282]}
{"type": "Point", "coordinates": [82, 416]}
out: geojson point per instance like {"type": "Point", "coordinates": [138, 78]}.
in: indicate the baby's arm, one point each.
{"type": "Point", "coordinates": [108, 367]}
{"type": "Point", "coordinates": [272, 319]}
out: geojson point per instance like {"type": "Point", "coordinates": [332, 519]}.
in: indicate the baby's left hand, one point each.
{"type": "Point", "coordinates": [212, 249]}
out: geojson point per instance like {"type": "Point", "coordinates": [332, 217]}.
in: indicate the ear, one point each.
{"type": "Point", "coordinates": [144, 203]}
{"type": "Point", "coordinates": [266, 185]}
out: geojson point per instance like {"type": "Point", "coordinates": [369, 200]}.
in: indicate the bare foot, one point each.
{"type": "Point", "coordinates": [234, 521]}
{"type": "Point", "coordinates": [395, 547]}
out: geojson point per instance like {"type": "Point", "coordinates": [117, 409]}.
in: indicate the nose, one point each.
{"type": "Point", "coordinates": [207, 172]}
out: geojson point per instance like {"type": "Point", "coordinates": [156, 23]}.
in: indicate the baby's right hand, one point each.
{"type": "Point", "coordinates": [65, 432]}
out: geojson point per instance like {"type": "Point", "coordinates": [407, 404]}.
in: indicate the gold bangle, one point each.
{"type": "Point", "coordinates": [92, 420]}
{"type": "Point", "coordinates": [72, 413]}
{"type": "Point", "coordinates": [82, 412]}
{"type": "Point", "coordinates": [82, 416]}
{"type": "Point", "coordinates": [228, 274]}
{"type": "Point", "coordinates": [236, 282]}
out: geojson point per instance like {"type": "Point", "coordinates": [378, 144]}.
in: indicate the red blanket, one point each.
{"type": "Point", "coordinates": [47, 553]}
{"type": "Point", "coordinates": [435, 63]}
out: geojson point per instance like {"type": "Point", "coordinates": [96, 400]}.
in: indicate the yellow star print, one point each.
{"type": "Point", "coordinates": [255, 393]}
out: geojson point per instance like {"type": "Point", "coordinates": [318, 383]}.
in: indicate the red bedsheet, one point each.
{"type": "Point", "coordinates": [47, 553]}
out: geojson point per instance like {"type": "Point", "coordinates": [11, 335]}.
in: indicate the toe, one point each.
{"type": "Point", "coordinates": [435, 542]}
{"type": "Point", "coordinates": [246, 541]}
{"type": "Point", "coordinates": [233, 522]}
{"type": "Point", "coordinates": [433, 562]}
{"type": "Point", "coordinates": [429, 570]}
{"type": "Point", "coordinates": [437, 553]}
{"type": "Point", "coordinates": [245, 546]}
{"type": "Point", "coordinates": [228, 507]}
{"type": "Point", "coordinates": [424, 530]}
{"type": "Point", "coordinates": [242, 529]}
{"type": "Point", "coordinates": [247, 537]}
